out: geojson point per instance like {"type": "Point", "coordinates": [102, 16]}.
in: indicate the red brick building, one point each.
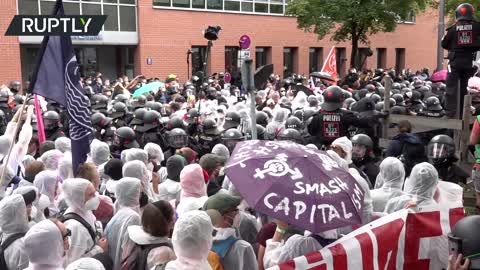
{"type": "Point", "coordinates": [152, 37]}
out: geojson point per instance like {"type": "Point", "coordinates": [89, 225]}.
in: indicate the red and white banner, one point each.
{"type": "Point", "coordinates": [330, 64]}
{"type": "Point", "coordinates": [401, 240]}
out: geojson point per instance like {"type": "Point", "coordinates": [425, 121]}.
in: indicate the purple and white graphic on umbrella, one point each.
{"type": "Point", "coordinates": [293, 183]}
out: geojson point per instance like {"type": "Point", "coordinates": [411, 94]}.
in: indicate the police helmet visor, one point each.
{"type": "Point", "coordinates": [358, 151]}
{"type": "Point", "coordinates": [230, 143]}
{"type": "Point", "coordinates": [178, 141]}
{"type": "Point", "coordinates": [49, 123]}
{"type": "Point", "coordinates": [439, 150]}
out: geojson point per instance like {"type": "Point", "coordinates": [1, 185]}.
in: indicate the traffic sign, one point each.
{"type": "Point", "coordinates": [227, 78]}
{"type": "Point", "coordinates": [244, 42]}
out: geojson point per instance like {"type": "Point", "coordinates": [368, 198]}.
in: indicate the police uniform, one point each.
{"type": "Point", "coordinates": [53, 134]}
{"type": "Point", "coordinates": [462, 41]}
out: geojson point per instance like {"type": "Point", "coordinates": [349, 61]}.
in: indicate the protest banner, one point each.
{"type": "Point", "coordinates": [407, 239]}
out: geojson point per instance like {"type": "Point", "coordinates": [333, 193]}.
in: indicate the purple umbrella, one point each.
{"type": "Point", "coordinates": [293, 183]}
{"type": "Point", "coordinates": [439, 76]}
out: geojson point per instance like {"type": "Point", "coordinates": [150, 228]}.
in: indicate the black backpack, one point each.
{"type": "Point", "coordinates": [137, 260]}
{"type": "Point", "coordinates": [78, 218]}
{"type": "Point", "coordinates": [5, 245]}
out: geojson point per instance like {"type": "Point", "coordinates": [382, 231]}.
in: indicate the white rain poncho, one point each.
{"type": "Point", "coordinates": [154, 152]}
{"type": "Point", "coordinates": [295, 246]}
{"type": "Point", "coordinates": [65, 169]}
{"type": "Point", "coordinates": [137, 154]}
{"type": "Point", "coordinates": [38, 206]}
{"type": "Point", "coordinates": [346, 145]}
{"type": "Point", "coordinates": [392, 176]}
{"type": "Point", "coordinates": [82, 244]}
{"type": "Point", "coordinates": [192, 240]}
{"type": "Point", "coordinates": [300, 101]}
{"type": "Point", "coordinates": [86, 264]}
{"type": "Point", "coordinates": [9, 175]}
{"type": "Point", "coordinates": [127, 192]}
{"type": "Point", "coordinates": [20, 148]}
{"type": "Point", "coordinates": [419, 187]}
{"type": "Point", "coordinates": [51, 159]}
{"type": "Point", "coordinates": [46, 182]}
{"type": "Point", "coordinates": [138, 169]}
{"type": "Point", "coordinates": [99, 152]}
{"type": "Point", "coordinates": [221, 151]}
{"type": "Point", "coordinates": [40, 255]}
{"type": "Point", "coordinates": [63, 144]}
{"type": "Point", "coordinates": [13, 220]}
{"type": "Point", "coordinates": [277, 125]}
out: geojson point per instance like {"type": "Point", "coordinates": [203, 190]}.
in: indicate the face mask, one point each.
{"type": "Point", "coordinates": [143, 199]}
{"type": "Point", "coordinates": [92, 204]}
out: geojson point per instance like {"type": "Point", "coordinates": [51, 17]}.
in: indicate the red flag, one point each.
{"type": "Point", "coordinates": [41, 129]}
{"type": "Point", "coordinates": [330, 65]}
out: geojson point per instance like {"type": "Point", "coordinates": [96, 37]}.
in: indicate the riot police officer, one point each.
{"type": "Point", "coordinates": [209, 136]}
{"type": "Point", "coordinates": [119, 115]}
{"type": "Point", "coordinates": [3, 122]}
{"type": "Point", "coordinates": [332, 122]}
{"type": "Point", "coordinates": [151, 129]}
{"type": "Point", "coordinates": [53, 128]}
{"type": "Point", "coordinates": [231, 137]}
{"type": "Point", "coordinates": [103, 128]}
{"type": "Point", "coordinates": [124, 139]}
{"type": "Point", "coordinates": [192, 120]}
{"type": "Point", "coordinates": [261, 132]}
{"type": "Point", "coordinates": [295, 123]}
{"type": "Point", "coordinates": [176, 138]}
{"type": "Point", "coordinates": [15, 87]}
{"type": "Point", "coordinates": [99, 103]}
{"type": "Point", "coordinates": [262, 118]}
{"type": "Point", "coordinates": [4, 97]}
{"type": "Point", "coordinates": [462, 41]}
{"type": "Point", "coordinates": [441, 154]}
{"type": "Point", "coordinates": [232, 120]}
{"type": "Point", "coordinates": [363, 157]}
{"type": "Point", "coordinates": [434, 108]}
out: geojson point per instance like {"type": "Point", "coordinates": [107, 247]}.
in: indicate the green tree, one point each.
{"type": "Point", "coordinates": [352, 20]}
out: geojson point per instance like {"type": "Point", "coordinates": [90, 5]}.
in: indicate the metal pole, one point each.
{"type": "Point", "coordinates": [247, 79]}
{"type": "Point", "coordinates": [441, 31]}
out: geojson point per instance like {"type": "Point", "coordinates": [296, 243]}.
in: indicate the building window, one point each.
{"type": "Point", "coordinates": [231, 59]}
{"type": "Point", "coordinates": [399, 60]}
{"type": "Point", "coordinates": [381, 58]}
{"type": "Point", "coordinates": [198, 56]}
{"type": "Point", "coordinates": [341, 55]}
{"type": "Point", "coordinates": [315, 59]}
{"type": "Point", "coordinates": [410, 18]}
{"type": "Point", "coordinates": [363, 54]}
{"type": "Point", "coordinates": [87, 60]}
{"type": "Point", "coordinates": [121, 14]}
{"type": "Point", "coordinates": [274, 7]}
{"type": "Point", "coordinates": [262, 56]}
{"type": "Point", "coordinates": [289, 61]}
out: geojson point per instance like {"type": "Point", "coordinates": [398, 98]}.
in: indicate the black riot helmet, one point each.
{"type": "Point", "coordinates": [2, 118]}
{"type": "Point", "coordinates": [464, 12]}
{"type": "Point", "coordinates": [399, 101]}
{"type": "Point", "coordinates": [125, 136]}
{"type": "Point", "coordinates": [14, 86]}
{"type": "Point", "coordinates": [119, 110]}
{"type": "Point", "coordinates": [347, 104]}
{"type": "Point", "coordinates": [440, 150]}
{"type": "Point", "coordinates": [18, 99]}
{"type": "Point", "coordinates": [157, 106]}
{"type": "Point", "coordinates": [51, 120]}
{"type": "Point", "coordinates": [151, 120]}
{"type": "Point", "coordinates": [209, 127]}
{"type": "Point", "coordinates": [433, 104]}
{"type": "Point", "coordinates": [362, 147]}
{"type": "Point", "coordinates": [149, 104]}
{"type": "Point", "coordinates": [192, 116]}
{"type": "Point", "coordinates": [232, 120]}
{"type": "Point", "coordinates": [465, 239]}
{"type": "Point", "coordinates": [99, 120]}
{"type": "Point", "coordinates": [396, 86]}
{"type": "Point", "coordinates": [177, 138]}
{"type": "Point", "coordinates": [231, 137]}
{"type": "Point", "coordinates": [375, 98]}
{"type": "Point", "coordinates": [175, 122]}
{"type": "Point", "coordinates": [398, 110]}
{"type": "Point", "coordinates": [333, 98]}
{"type": "Point", "coordinates": [294, 122]}
{"type": "Point", "coordinates": [99, 101]}
{"type": "Point", "coordinates": [121, 98]}
{"type": "Point", "coordinates": [4, 95]}
{"type": "Point", "coordinates": [290, 134]}
{"type": "Point", "coordinates": [260, 133]}
{"type": "Point", "coordinates": [139, 101]}
{"type": "Point", "coordinates": [262, 118]}
{"type": "Point", "coordinates": [138, 116]}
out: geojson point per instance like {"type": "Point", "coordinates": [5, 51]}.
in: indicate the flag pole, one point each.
{"type": "Point", "coordinates": [17, 129]}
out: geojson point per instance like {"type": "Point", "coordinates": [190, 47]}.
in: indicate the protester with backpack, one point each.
{"type": "Point", "coordinates": [407, 147]}
{"type": "Point", "coordinates": [14, 225]}
{"type": "Point", "coordinates": [233, 253]}
{"type": "Point", "coordinates": [152, 249]}
{"type": "Point", "coordinates": [46, 244]}
{"type": "Point", "coordinates": [127, 213]}
{"type": "Point", "coordinates": [192, 240]}
{"type": "Point", "coordinates": [81, 198]}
